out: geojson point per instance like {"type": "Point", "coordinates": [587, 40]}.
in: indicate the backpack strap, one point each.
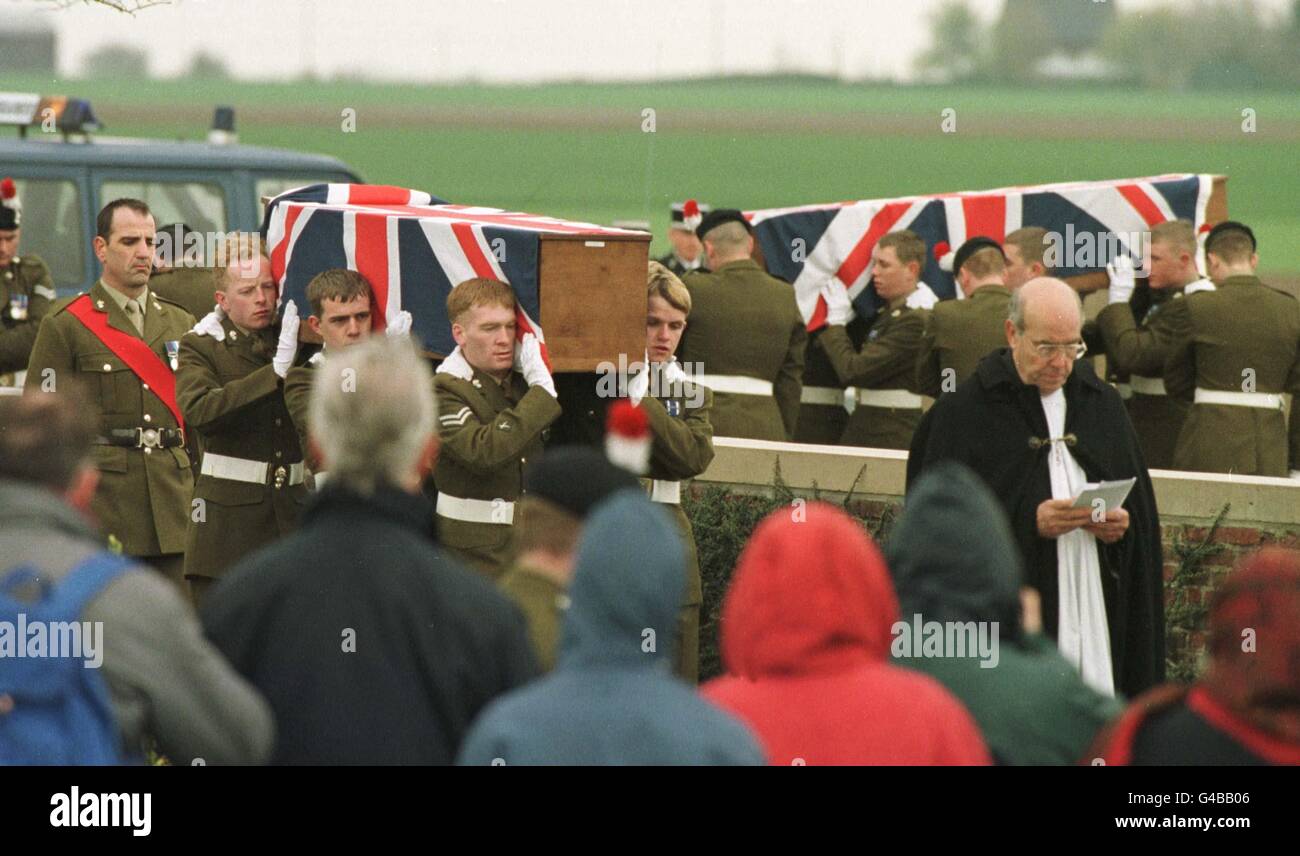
{"type": "Point", "coordinates": [86, 579]}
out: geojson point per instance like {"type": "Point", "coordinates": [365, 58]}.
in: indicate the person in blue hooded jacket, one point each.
{"type": "Point", "coordinates": [955, 563]}
{"type": "Point", "coordinates": [612, 698]}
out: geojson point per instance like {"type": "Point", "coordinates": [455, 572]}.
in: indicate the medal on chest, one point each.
{"type": "Point", "coordinates": [18, 307]}
{"type": "Point", "coordinates": [173, 351]}
{"type": "Point", "coordinates": [674, 407]}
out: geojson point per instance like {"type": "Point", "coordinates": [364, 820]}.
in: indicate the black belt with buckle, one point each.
{"type": "Point", "coordinates": [144, 438]}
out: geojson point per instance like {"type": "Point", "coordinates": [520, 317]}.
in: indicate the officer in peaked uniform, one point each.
{"type": "Point", "coordinates": [122, 343]}
{"type": "Point", "coordinates": [26, 290]}
{"type": "Point", "coordinates": [1234, 351]}
{"type": "Point", "coordinates": [747, 338]}
{"type": "Point", "coordinates": [491, 418]}
{"type": "Point", "coordinates": [230, 388]}
{"type": "Point", "coordinates": [687, 253]}
{"type": "Point", "coordinates": [1138, 349]}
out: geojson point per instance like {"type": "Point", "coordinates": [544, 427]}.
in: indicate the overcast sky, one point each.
{"type": "Point", "coordinates": [516, 40]}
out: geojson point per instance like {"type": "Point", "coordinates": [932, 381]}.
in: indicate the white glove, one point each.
{"type": "Point", "coordinates": [456, 365]}
{"type": "Point", "coordinates": [528, 356]}
{"type": "Point", "coordinates": [399, 324]}
{"type": "Point", "coordinates": [287, 349]}
{"type": "Point", "coordinates": [1122, 280]}
{"type": "Point", "coordinates": [672, 373]}
{"type": "Point", "coordinates": [210, 325]}
{"type": "Point", "coordinates": [1295, 475]}
{"type": "Point", "coordinates": [838, 309]}
{"type": "Point", "coordinates": [638, 383]}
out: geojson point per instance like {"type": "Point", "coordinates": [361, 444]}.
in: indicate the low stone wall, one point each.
{"type": "Point", "coordinates": [1208, 521]}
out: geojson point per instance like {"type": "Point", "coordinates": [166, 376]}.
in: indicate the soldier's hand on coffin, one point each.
{"type": "Point", "coordinates": [532, 366]}
{"type": "Point", "coordinates": [1295, 475]}
{"type": "Point", "coordinates": [1122, 279]}
{"type": "Point", "coordinates": [399, 324]}
{"type": "Point", "coordinates": [210, 325]}
{"type": "Point", "coordinates": [287, 348]}
{"type": "Point", "coordinates": [1113, 529]}
{"type": "Point", "coordinates": [839, 311]}
{"type": "Point", "coordinates": [638, 381]}
{"type": "Point", "coordinates": [1056, 517]}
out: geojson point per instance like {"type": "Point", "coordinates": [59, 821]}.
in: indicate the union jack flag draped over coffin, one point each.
{"type": "Point", "coordinates": [813, 244]}
{"type": "Point", "coordinates": [412, 247]}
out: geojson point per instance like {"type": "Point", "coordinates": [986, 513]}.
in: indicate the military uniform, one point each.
{"type": "Point", "coordinates": [887, 411]}
{"type": "Point", "coordinates": [542, 601]}
{"type": "Point", "coordinates": [958, 333]}
{"type": "Point", "coordinates": [1137, 351]}
{"type": "Point", "coordinates": [26, 292]}
{"type": "Point", "coordinates": [191, 287]}
{"type": "Point", "coordinates": [822, 409]}
{"type": "Point", "coordinates": [251, 473]}
{"type": "Point", "coordinates": [145, 482]}
{"type": "Point", "coordinates": [489, 431]}
{"type": "Point", "coordinates": [747, 337]}
{"type": "Point", "coordinates": [297, 397]}
{"type": "Point", "coordinates": [681, 448]}
{"type": "Point", "coordinates": [1221, 340]}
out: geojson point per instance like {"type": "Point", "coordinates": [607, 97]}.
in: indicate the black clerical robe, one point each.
{"type": "Point", "coordinates": [995, 423]}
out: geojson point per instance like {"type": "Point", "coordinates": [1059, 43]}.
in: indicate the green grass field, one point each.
{"type": "Point", "coordinates": [580, 150]}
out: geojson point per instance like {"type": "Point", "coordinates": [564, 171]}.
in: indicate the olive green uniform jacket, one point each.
{"type": "Point", "coordinates": [887, 360]}
{"type": "Point", "coordinates": [24, 277]}
{"type": "Point", "coordinates": [1134, 348]}
{"type": "Point", "coordinates": [144, 495]}
{"type": "Point", "coordinates": [822, 413]}
{"type": "Point", "coordinates": [542, 601]}
{"type": "Point", "coordinates": [297, 398]}
{"type": "Point", "coordinates": [958, 333]}
{"type": "Point", "coordinates": [1224, 339]}
{"type": "Point", "coordinates": [489, 433]}
{"type": "Point", "coordinates": [194, 288]}
{"type": "Point", "coordinates": [744, 322]}
{"type": "Point", "coordinates": [230, 394]}
{"type": "Point", "coordinates": [682, 448]}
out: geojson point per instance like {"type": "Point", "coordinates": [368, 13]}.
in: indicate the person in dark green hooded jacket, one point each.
{"type": "Point", "coordinates": [955, 563]}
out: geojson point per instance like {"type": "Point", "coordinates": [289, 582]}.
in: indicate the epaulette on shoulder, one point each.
{"type": "Point", "coordinates": [63, 303]}
{"type": "Point", "coordinates": [168, 301]}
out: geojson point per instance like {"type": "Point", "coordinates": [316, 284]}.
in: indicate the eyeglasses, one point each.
{"type": "Point", "coordinates": [1070, 350]}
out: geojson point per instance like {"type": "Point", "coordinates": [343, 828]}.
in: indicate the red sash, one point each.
{"type": "Point", "coordinates": [137, 355]}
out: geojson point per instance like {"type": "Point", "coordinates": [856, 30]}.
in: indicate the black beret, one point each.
{"type": "Point", "coordinates": [970, 248]}
{"type": "Point", "coordinates": [576, 478]}
{"type": "Point", "coordinates": [717, 217]}
{"type": "Point", "coordinates": [1231, 226]}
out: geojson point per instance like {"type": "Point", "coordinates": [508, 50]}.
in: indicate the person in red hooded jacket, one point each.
{"type": "Point", "coordinates": [806, 632]}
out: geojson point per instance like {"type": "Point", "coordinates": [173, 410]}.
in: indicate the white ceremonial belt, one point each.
{"type": "Point", "coordinates": [822, 395]}
{"type": "Point", "coordinates": [476, 510]}
{"type": "Point", "coordinates": [737, 384]}
{"type": "Point", "coordinates": [1147, 385]}
{"type": "Point", "coordinates": [1125, 391]}
{"type": "Point", "coordinates": [668, 492]}
{"type": "Point", "coordinates": [1262, 400]}
{"type": "Point", "coordinates": [895, 398]}
{"type": "Point", "coordinates": [244, 470]}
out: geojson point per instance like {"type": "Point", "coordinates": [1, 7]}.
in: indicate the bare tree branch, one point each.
{"type": "Point", "coordinates": [129, 7]}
